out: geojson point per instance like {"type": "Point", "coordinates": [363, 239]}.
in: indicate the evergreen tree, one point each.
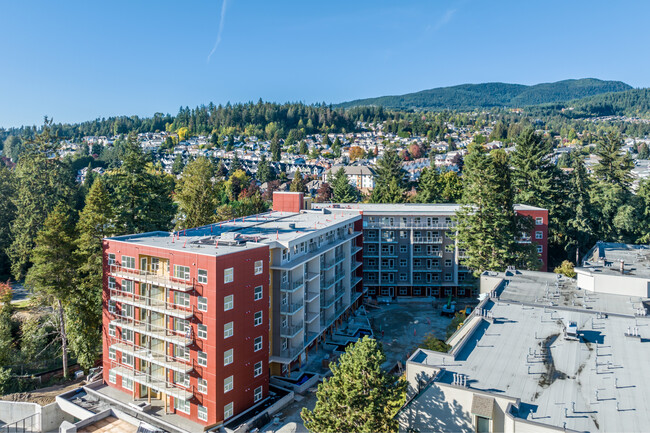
{"type": "Point", "coordinates": [40, 183]}
{"type": "Point", "coordinates": [487, 223]}
{"type": "Point", "coordinates": [452, 187]}
{"type": "Point", "coordinates": [7, 341]}
{"type": "Point", "coordinates": [178, 165]}
{"type": "Point", "coordinates": [264, 170]}
{"type": "Point", "coordinates": [235, 164]}
{"type": "Point", "coordinates": [580, 219]}
{"type": "Point", "coordinates": [84, 311]}
{"type": "Point", "coordinates": [53, 272]}
{"type": "Point", "coordinates": [342, 190]}
{"type": "Point", "coordinates": [326, 141]}
{"type": "Point", "coordinates": [196, 195]}
{"type": "Point", "coordinates": [7, 215]}
{"type": "Point", "coordinates": [643, 204]}
{"type": "Point", "coordinates": [276, 151]}
{"type": "Point", "coordinates": [390, 186]}
{"type": "Point", "coordinates": [298, 183]}
{"type": "Point", "coordinates": [613, 167]}
{"type": "Point", "coordinates": [303, 149]}
{"type": "Point", "coordinates": [336, 147]}
{"type": "Point", "coordinates": [429, 188]}
{"type": "Point", "coordinates": [644, 153]}
{"type": "Point", "coordinates": [142, 195]}
{"type": "Point", "coordinates": [359, 396]}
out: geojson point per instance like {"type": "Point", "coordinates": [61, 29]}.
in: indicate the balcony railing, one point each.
{"type": "Point", "coordinates": [167, 361]}
{"type": "Point", "coordinates": [311, 316]}
{"type": "Point", "coordinates": [291, 331]}
{"type": "Point", "coordinates": [339, 294]}
{"type": "Point", "coordinates": [355, 265]}
{"type": "Point", "coordinates": [291, 309]}
{"type": "Point", "coordinates": [291, 352]}
{"type": "Point", "coordinates": [433, 255]}
{"type": "Point", "coordinates": [183, 338]}
{"type": "Point", "coordinates": [291, 286]}
{"type": "Point", "coordinates": [408, 225]}
{"type": "Point", "coordinates": [426, 240]}
{"type": "Point", "coordinates": [355, 280]}
{"type": "Point", "coordinates": [388, 240]}
{"type": "Point", "coordinates": [326, 303]}
{"type": "Point", "coordinates": [151, 278]}
{"type": "Point", "coordinates": [157, 383]}
{"type": "Point", "coordinates": [159, 305]}
{"type": "Point", "coordinates": [311, 296]}
{"type": "Point", "coordinates": [356, 249]}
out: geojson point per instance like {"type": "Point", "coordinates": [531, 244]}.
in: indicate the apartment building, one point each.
{"type": "Point", "coordinates": [410, 250]}
{"type": "Point", "coordinates": [198, 319]}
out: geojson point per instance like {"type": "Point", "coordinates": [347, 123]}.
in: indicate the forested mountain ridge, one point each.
{"type": "Point", "coordinates": [484, 95]}
{"type": "Point", "coordinates": [632, 103]}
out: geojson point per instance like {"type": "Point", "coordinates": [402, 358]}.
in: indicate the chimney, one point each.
{"type": "Point", "coordinates": [622, 267]}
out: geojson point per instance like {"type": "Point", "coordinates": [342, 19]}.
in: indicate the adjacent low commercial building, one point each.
{"type": "Point", "coordinates": [198, 319]}
{"type": "Point", "coordinates": [615, 268]}
{"type": "Point", "coordinates": [538, 354]}
{"type": "Point", "coordinates": [410, 249]}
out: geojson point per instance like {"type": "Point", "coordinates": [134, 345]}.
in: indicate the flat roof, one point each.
{"type": "Point", "coordinates": [598, 383]}
{"type": "Point", "coordinates": [406, 208]}
{"type": "Point", "coordinates": [605, 258]}
{"type": "Point", "coordinates": [255, 231]}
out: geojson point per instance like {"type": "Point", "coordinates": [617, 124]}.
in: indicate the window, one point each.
{"type": "Point", "coordinates": [202, 385]}
{"type": "Point", "coordinates": [461, 277]}
{"type": "Point", "coordinates": [258, 369]}
{"type": "Point", "coordinates": [482, 424]}
{"type": "Point", "coordinates": [227, 411]}
{"type": "Point", "coordinates": [228, 330]}
{"type": "Point", "coordinates": [227, 357]}
{"type": "Point", "coordinates": [182, 379]}
{"type": "Point", "coordinates": [402, 277]}
{"type": "Point", "coordinates": [203, 276]}
{"type": "Point", "coordinates": [417, 291]}
{"type": "Point", "coordinates": [461, 292]}
{"type": "Point", "coordinates": [448, 263]}
{"type": "Point", "coordinates": [182, 299]}
{"type": "Point", "coordinates": [540, 249]}
{"type": "Point", "coordinates": [227, 384]}
{"type": "Point", "coordinates": [403, 248]}
{"type": "Point", "coordinates": [111, 259]}
{"type": "Point", "coordinates": [448, 277]}
{"type": "Point", "coordinates": [539, 221]}
{"type": "Point", "coordinates": [259, 266]}
{"type": "Point", "coordinates": [402, 262]}
{"type": "Point", "coordinates": [182, 352]}
{"type": "Point", "coordinates": [259, 293]}
{"type": "Point", "coordinates": [403, 234]}
{"type": "Point", "coordinates": [449, 248]}
{"type": "Point", "coordinates": [111, 283]}
{"type": "Point", "coordinates": [228, 275]}
{"type": "Point", "coordinates": [228, 302]}
{"type": "Point", "coordinates": [128, 262]}
{"type": "Point", "coordinates": [127, 359]}
{"type": "Point", "coordinates": [111, 353]}
{"type": "Point", "coordinates": [202, 413]}
{"type": "Point", "coordinates": [127, 335]}
{"type": "Point", "coordinates": [202, 303]}
{"type": "Point", "coordinates": [258, 344]}
{"type": "Point", "coordinates": [112, 377]}
{"type": "Point", "coordinates": [258, 394]}
{"type": "Point", "coordinates": [182, 272]}
{"type": "Point", "coordinates": [112, 307]}
{"type": "Point", "coordinates": [181, 325]}
{"type": "Point", "coordinates": [202, 358]}
{"type": "Point", "coordinates": [202, 332]}
{"type": "Point", "coordinates": [402, 291]}
{"type": "Point", "coordinates": [539, 235]}
{"type": "Point", "coordinates": [111, 330]}
{"type": "Point", "coordinates": [258, 318]}
{"type": "Point", "coordinates": [417, 249]}
{"type": "Point", "coordinates": [182, 405]}
{"type": "Point", "coordinates": [128, 286]}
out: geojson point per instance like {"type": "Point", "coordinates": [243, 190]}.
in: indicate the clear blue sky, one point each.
{"type": "Point", "coordinates": [79, 60]}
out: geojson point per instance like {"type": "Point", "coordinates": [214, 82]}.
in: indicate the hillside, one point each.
{"type": "Point", "coordinates": [635, 102]}
{"type": "Point", "coordinates": [473, 96]}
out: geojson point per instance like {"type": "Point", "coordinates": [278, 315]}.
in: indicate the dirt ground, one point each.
{"type": "Point", "coordinates": [43, 396]}
{"type": "Point", "coordinates": [399, 326]}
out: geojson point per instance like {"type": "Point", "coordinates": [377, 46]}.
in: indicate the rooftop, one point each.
{"type": "Point", "coordinates": [255, 231]}
{"type": "Point", "coordinates": [406, 208]}
{"type": "Point", "coordinates": [595, 383]}
{"type": "Point", "coordinates": [606, 257]}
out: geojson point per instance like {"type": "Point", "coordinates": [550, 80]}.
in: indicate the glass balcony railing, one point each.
{"type": "Point", "coordinates": [157, 383]}
{"type": "Point", "coordinates": [155, 279]}
{"type": "Point", "coordinates": [158, 305]}
{"type": "Point", "coordinates": [291, 309]}
{"type": "Point", "coordinates": [181, 365]}
{"type": "Point", "coordinates": [182, 338]}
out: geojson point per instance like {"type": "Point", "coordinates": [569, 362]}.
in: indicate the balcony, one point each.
{"type": "Point", "coordinates": [158, 305]}
{"type": "Point", "coordinates": [432, 255]}
{"type": "Point", "coordinates": [167, 361]}
{"type": "Point", "coordinates": [151, 278]}
{"type": "Point", "coordinates": [389, 253]}
{"type": "Point", "coordinates": [310, 316]}
{"type": "Point", "coordinates": [339, 258]}
{"type": "Point", "coordinates": [156, 331]}
{"type": "Point", "coordinates": [355, 265]}
{"type": "Point", "coordinates": [368, 240]}
{"type": "Point", "coordinates": [388, 240]}
{"type": "Point", "coordinates": [310, 276]}
{"type": "Point", "coordinates": [156, 383]}
{"type": "Point", "coordinates": [326, 303]}
{"type": "Point", "coordinates": [408, 225]}
{"type": "Point", "coordinates": [291, 309]}
{"type": "Point", "coordinates": [339, 294]}
{"type": "Point", "coordinates": [427, 240]}
{"type": "Point", "coordinates": [356, 249]}
{"type": "Point", "coordinates": [291, 331]}
{"type": "Point", "coordinates": [368, 253]}
{"type": "Point", "coordinates": [326, 284]}
{"type": "Point", "coordinates": [291, 352]}
{"type": "Point", "coordinates": [355, 280]}
{"type": "Point", "coordinates": [370, 268]}
{"type": "Point", "coordinates": [311, 296]}
{"type": "Point", "coordinates": [291, 286]}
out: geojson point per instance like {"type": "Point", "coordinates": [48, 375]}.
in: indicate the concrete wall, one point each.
{"type": "Point", "coordinates": [615, 284]}
{"type": "Point", "coordinates": [11, 411]}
